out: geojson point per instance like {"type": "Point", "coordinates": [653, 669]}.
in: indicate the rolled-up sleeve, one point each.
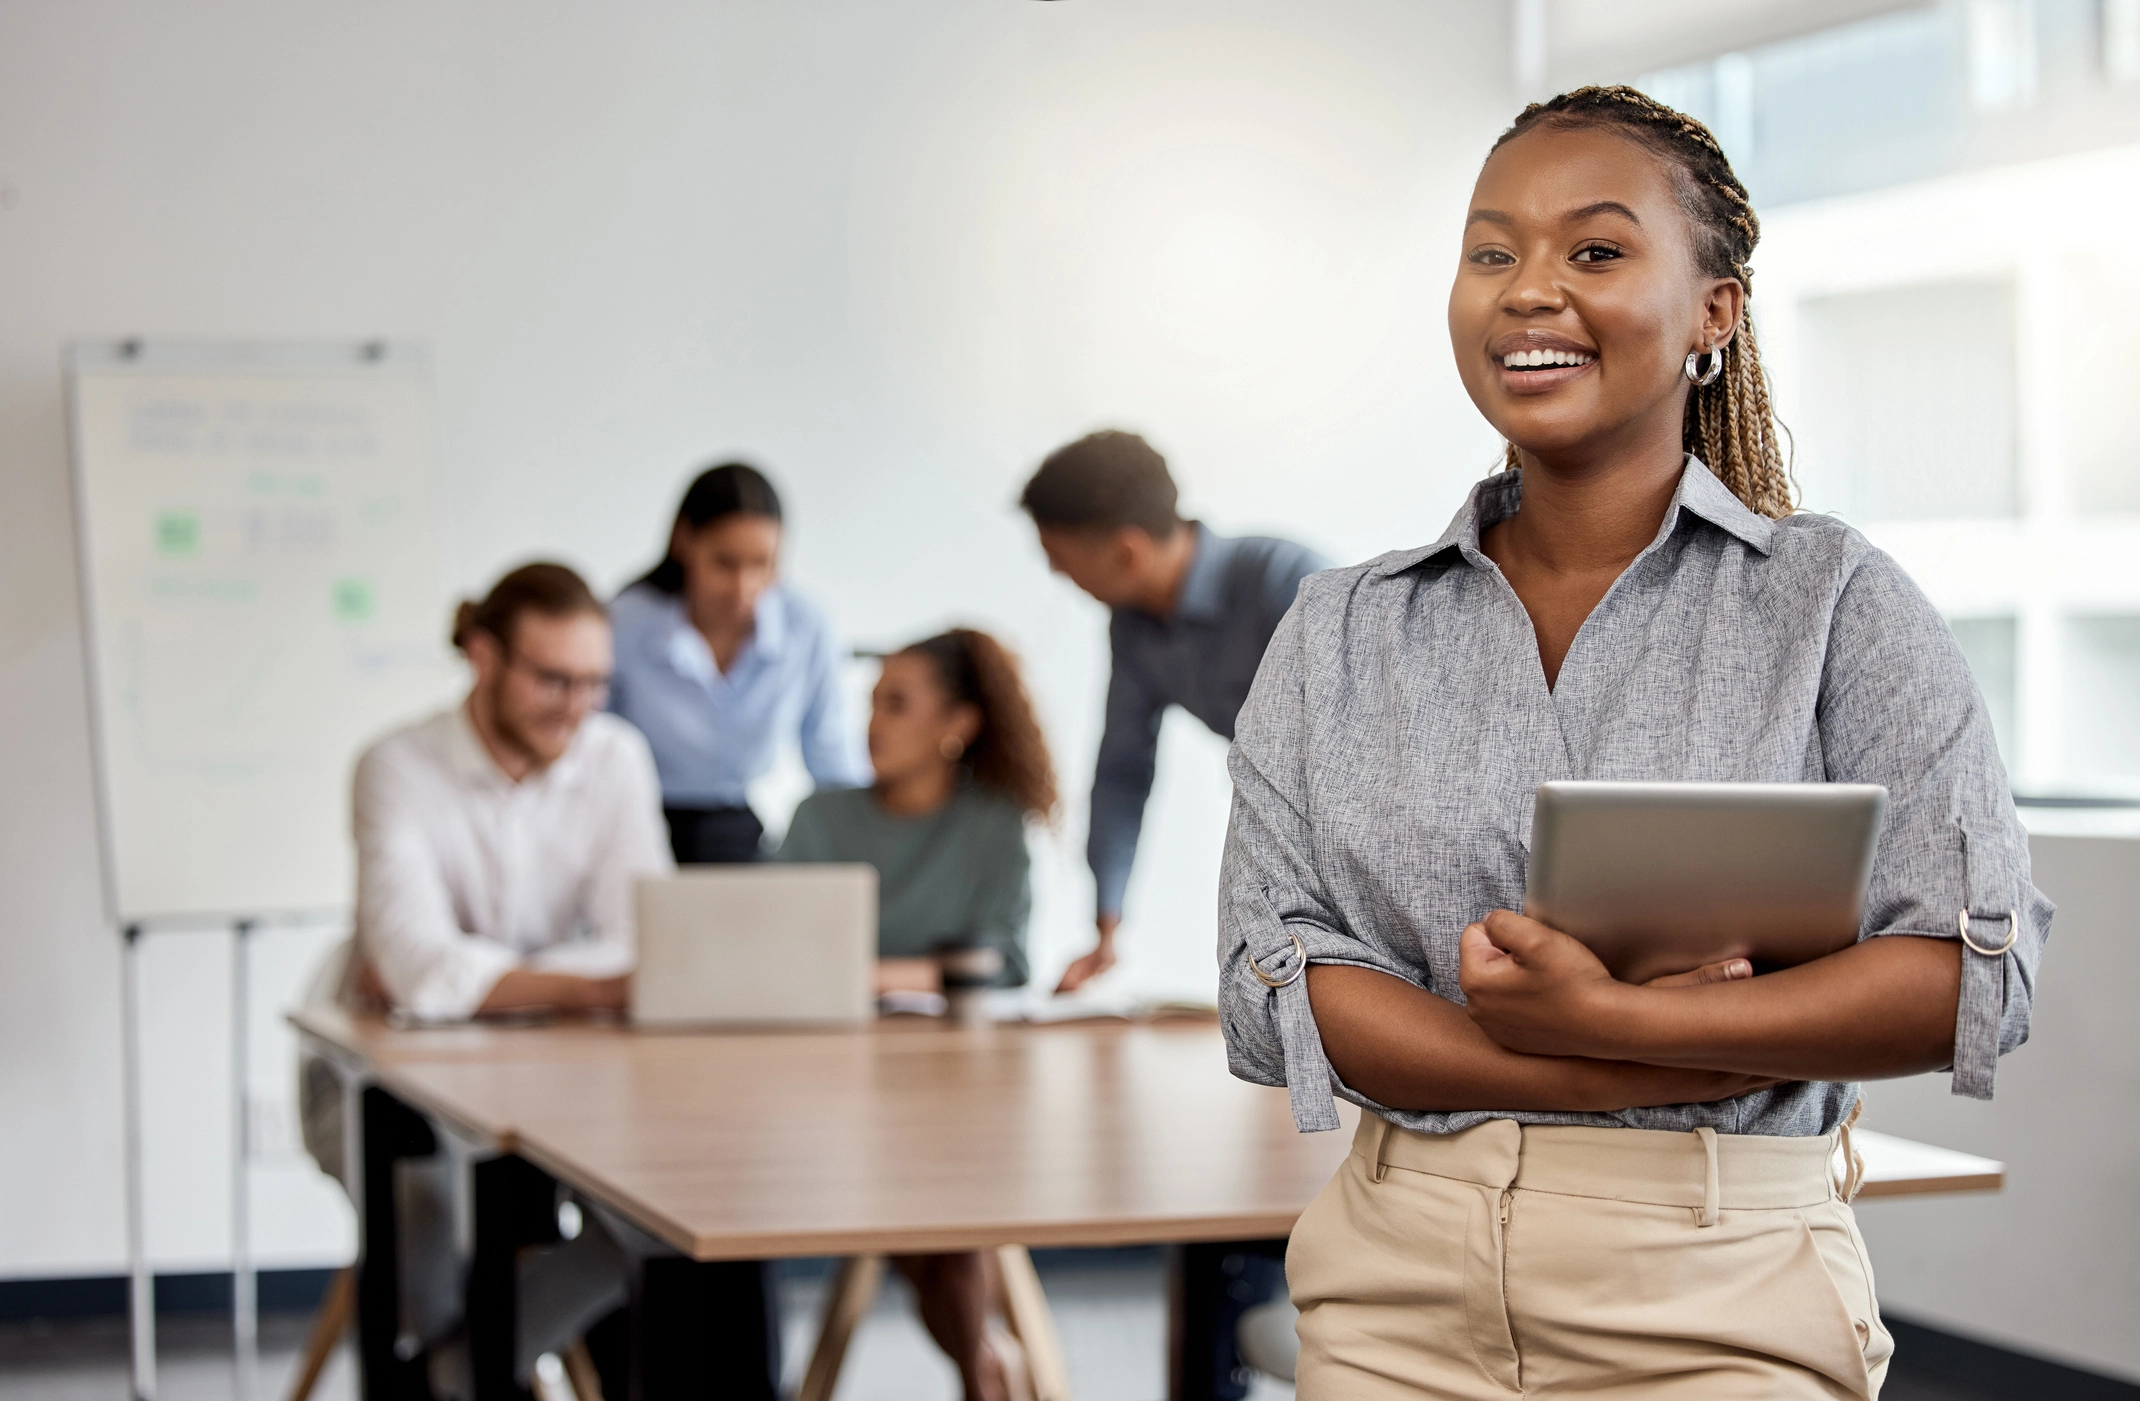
{"type": "Point", "coordinates": [1274, 915]}
{"type": "Point", "coordinates": [1899, 708]}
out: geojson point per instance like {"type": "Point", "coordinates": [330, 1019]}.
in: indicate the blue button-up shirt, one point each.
{"type": "Point", "coordinates": [1203, 658]}
{"type": "Point", "coordinates": [713, 732]}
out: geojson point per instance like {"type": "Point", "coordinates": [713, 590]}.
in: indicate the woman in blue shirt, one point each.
{"type": "Point", "coordinates": [718, 662]}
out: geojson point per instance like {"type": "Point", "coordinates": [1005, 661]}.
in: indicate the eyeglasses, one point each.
{"type": "Point", "coordinates": [555, 686]}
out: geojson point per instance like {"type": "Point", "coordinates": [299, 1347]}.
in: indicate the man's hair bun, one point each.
{"type": "Point", "coordinates": [550, 589]}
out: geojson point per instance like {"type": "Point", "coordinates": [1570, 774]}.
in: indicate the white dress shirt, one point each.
{"type": "Point", "coordinates": [464, 874]}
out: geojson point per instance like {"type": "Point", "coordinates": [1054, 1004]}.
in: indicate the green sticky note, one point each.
{"type": "Point", "coordinates": [177, 533]}
{"type": "Point", "coordinates": [353, 599]}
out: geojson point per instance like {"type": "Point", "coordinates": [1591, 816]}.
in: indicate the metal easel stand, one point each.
{"type": "Point", "coordinates": [141, 1286]}
{"type": "Point", "coordinates": [244, 1277]}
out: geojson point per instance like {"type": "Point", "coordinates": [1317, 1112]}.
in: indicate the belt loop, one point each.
{"type": "Point", "coordinates": [1853, 1160]}
{"type": "Point", "coordinates": [1382, 1145]}
{"type": "Point", "coordinates": [1710, 1194]}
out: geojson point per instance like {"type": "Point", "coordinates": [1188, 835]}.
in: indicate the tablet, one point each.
{"type": "Point", "coordinates": [1659, 878]}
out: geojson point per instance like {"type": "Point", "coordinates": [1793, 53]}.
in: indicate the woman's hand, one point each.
{"type": "Point", "coordinates": [1532, 988]}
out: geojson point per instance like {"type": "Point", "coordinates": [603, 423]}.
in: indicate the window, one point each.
{"type": "Point", "coordinates": [2102, 705]}
{"type": "Point", "coordinates": [2099, 371]}
{"type": "Point", "coordinates": [1947, 309]}
{"type": "Point", "coordinates": [1909, 402]}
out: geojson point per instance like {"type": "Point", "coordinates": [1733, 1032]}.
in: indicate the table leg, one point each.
{"type": "Point", "coordinates": [389, 1130]}
{"type": "Point", "coordinates": [1210, 1284]}
{"type": "Point", "coordinates": [702, 1330]}
{"type": "Point", "coordinates": [1025, 1308]}
{"type": "Point", "coordinates": [855, 1282]}
{"type": "Point", "coordinates": [515, 1206]}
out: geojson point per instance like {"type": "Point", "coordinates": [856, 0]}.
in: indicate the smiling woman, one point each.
{"type": "Point", "coordinates": [1727, 421]}
{"type": "Point", "coordinates": [1565, 1183]}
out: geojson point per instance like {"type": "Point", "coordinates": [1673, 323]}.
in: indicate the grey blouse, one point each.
{"type": "Point", "coordinates": [1386, 760]}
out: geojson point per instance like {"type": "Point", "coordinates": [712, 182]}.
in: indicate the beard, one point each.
{"type": "Point", "coordinates": [539, 734]}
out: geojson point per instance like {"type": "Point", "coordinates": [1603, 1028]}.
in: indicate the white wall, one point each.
{"type": "Point", "coordinates": [2052, 1264]}
{"type": "Point", "coordinates": [894, 250]}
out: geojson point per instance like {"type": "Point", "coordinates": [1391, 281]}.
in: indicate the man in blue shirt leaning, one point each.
{"type": "Point", "coordinates": [1193, 611]}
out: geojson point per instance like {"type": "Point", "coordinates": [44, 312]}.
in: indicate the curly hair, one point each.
{"type": "Point", "coordinates": [1730, 424]}
{"type": "Point", "coordinates": [1009, 754]}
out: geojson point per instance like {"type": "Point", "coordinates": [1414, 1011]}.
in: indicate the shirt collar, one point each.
{"type": "Point", "coordinates": [1703, 493]}
{"type": "Point", "coordinates": [1495, 499]}
{"type": "Point", "coordinates": [1203, 588]}
{"type": "Point", "coordinates": [685, 649]}
{"type": "Point", "coordinates": [473, 763]}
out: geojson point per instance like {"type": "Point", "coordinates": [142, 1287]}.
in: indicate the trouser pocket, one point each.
{"type": "Point", "coordinates": [1399, 1284]}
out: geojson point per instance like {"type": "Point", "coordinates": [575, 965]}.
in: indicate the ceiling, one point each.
{"type": "Point", "coordinates": [1603, 40]}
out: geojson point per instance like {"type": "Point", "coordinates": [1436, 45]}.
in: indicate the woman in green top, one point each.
{"type": "Point", "coordinates": [960, 766]}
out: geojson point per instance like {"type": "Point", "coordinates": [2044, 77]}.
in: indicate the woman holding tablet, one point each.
{"type": "Point", "coordinates": [718, 663]}
{"type": "Point", "coordinates": [1565, 1184]}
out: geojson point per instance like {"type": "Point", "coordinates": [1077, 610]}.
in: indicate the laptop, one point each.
{"type": "Point", "coordinates": [1661, 878]}
{"type": "Point", "coordinates": [767, 946]}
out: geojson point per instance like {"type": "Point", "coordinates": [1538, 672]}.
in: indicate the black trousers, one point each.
{"type": "Point", "coordinates": [1219, 1281]}
{"type": "Point", "coordinates": [714, 836]}
{"type": "Point", "coordinates": [690, 1331]}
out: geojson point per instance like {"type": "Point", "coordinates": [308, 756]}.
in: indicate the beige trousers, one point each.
{"type": "Point", "coordinates": [1520, 1261]}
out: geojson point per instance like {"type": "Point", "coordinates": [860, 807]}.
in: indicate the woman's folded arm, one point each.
{"type": "Point", "coordinates": [1882, 1008]}
{"type": "Point", "coordinates": [1407, 1048]}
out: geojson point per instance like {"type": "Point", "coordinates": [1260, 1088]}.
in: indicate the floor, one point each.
{"type": "Point", "coordinates": [1111, 1316]}
{"type": "Point", "coordinates": [1110, 1311]}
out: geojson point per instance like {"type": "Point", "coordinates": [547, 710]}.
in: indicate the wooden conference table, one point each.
{"type": "Point", "coordinates": [908, 1137]}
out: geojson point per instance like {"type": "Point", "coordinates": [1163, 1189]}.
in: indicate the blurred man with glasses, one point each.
{"type": "Point", "coordinates": [498, 842]}
{"type": "Point", "coordinates": [498, 846]}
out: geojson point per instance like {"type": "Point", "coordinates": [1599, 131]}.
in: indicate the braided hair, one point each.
{"type": "Point", "coordinates": [1730, 424]}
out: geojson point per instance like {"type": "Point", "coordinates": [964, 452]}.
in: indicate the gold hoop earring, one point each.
{"type": "Point", "coordinates": [1704, 377]}
{"type": "Point", "coordinates": [952, 748]}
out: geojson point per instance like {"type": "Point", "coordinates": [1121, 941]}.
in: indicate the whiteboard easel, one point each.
{"type": "Point", "coordinates": [259, 555]}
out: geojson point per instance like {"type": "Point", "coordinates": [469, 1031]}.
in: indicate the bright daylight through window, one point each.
{"type": "Point", "coordinates": [1948, 316]}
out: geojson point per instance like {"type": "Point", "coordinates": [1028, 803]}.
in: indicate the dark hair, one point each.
{"type": "Point", "coordinates": [1730, 424]}
{"type": "Point", "coordinates": [731, 489]}
{"type": "Point", "coordinates": [549, 589]}
{"type": "Point", "coordinates": [1009, 754]}
{"type": "Point", "coordinates": [1104, 481]}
